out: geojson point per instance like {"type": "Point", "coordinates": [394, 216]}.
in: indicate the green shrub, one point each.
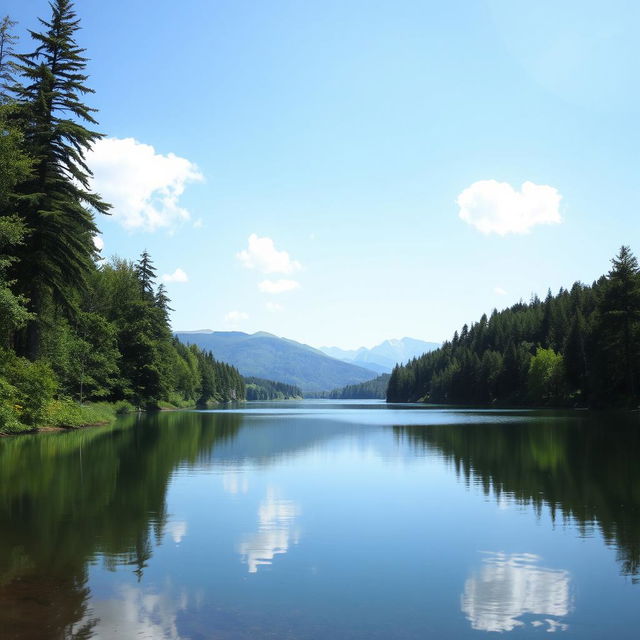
{"type": "Point", "coordinates": [26, 390]}
{"type": "Point", "coordinates": [122, 406]}
{"type": "Point", "coordinates": [65, 412]}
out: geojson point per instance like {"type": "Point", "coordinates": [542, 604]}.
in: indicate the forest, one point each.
{"type": "Point", "coordinates": [80, 337]}
{"type": "Point", "coordinates": [261, 389]}
{"type": "Point", "coordinates": [580, 347]}
{"type": "Point", "coordinates": [375, 389]}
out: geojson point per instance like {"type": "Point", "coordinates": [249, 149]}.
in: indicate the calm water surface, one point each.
{"type": "Point", "coordinates": [324, 520]}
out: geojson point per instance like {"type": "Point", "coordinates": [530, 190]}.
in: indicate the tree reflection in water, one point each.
{"type": "Point", "coordinates": [66, 498]}
{"type": "Point", "coordinates": [585, 469]}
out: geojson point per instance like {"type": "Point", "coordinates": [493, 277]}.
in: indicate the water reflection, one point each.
{"type": "Point", "coordinates": [177, 529]}
{"type": "Point", "coordinates": [584, 469]}
{"type": "Point", "coordinates": [138, 613]}
{"type": "Point", "coordinates": [60, 516]}
{"type": "Point", "coordinates": [510, 586]}
{"type": "Point", "coordinates": [235, 482]}
{"type": "Point", "coordinates": [276, 531]}
{"type": "Point", "coordinates": [75, 504]}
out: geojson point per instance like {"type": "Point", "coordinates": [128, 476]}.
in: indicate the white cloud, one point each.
{"type": "Point", "coordinates": [496, 207]}
{"type": "Point", "coordinates": [177, 276]}
{"type": "Point", "coordinates": [261, 254]}
{"type": "Point", "coordinates": [198, 224]}
{"type": "Point", "coordinates": [500, 291]}
{"type": "Point", "coordinates": [98, 243]}
{"type": "Point", "coordinates": [274, 307]}
{"type": "Point", "coordinates": [143, 186]}
{"type": "Point", "coordinates": [235, 317]}
{"type": "Point", "coordinates": [278, 286]}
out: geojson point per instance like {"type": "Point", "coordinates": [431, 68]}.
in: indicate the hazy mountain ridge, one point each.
{"type": "Point", "coordinates": [264, 355]}
{"type": "Point", "coordinates": [383, 356]}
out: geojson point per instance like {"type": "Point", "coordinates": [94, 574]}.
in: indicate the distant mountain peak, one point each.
{"type": "Point", "coordinates": [383, 356]}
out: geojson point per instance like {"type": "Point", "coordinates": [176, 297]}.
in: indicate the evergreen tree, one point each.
{"type": "Point", "coordinates": [620, 312]}
{"type": "Point", "coordinates": [7, 43]}
{"type": "Point", "coordinates": [146, 274]}
{"type": "Point", "coordinates": [162, 302]}
{"type": "Point", "coordinates": [580, 346]}
{"type": "Point", "coordinates": [57, 256]}
{"type": "Point", "coordinates": [15, 167]}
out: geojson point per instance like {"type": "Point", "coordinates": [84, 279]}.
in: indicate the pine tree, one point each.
{"type": "Point", "coordinates": [162, 301]}
{"type": "Point", "coordinates": [7, 42]}
{"type": "Point", "coordinates": [620, 309]}
{"type": "Point", "coordinates": [146, 274]}
{"type": "Point", "coordinates": [58, 254]}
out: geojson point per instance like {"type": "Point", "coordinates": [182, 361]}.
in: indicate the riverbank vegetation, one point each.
{"type": "Point", "coordinates": [580, 347]}
{"type": "Point", "coordinates": [80, 338]}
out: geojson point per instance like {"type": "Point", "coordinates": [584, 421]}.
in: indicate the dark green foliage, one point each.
{"type": "Point", "coordinates": [13, 311]}
{"type": "Point", "coordinates": [57, 204]}
{"type": "Point", "coordinates": [146, 273]}
{"type": "Point", "coordinates": [579, 347]}
{"type": "Point", "coordinates": [371, 390]}
{"type": "Point", "coordinates": [261, 389]}
{"type": "Point", "coordinates": [7, 43]}
{"type": "Point", "coordinates": [26, 389]}
{"type": "Point", "coordinates": [617, 324]}
{"type": "Point", "coordinates": [153, 366]}
{"type": "Point", "coordinates": [90, 333]}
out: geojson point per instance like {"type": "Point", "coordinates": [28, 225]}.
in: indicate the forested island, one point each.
{"type": "Point", "coordinates": [577, 348]}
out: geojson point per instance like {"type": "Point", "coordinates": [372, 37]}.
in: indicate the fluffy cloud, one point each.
{"type": "Point", "coordinates": [143, 186]}
{"type": "Point", "coordinates": [500, 291]}
{"type": "Point", "coordinates": [261, 254]}
{"type": "Point", "coordinates": [496, 207]}
{"type": "Point", "coordinates": [274, 307]}
{"type": "Point", "coordinates": [177, 276]}
{"type": "Point", "coordinates": [98, 243]}
{"type": "Point", "coordinates": [278, 286]}
{"type": "Point", "coordinates": [235, 317]}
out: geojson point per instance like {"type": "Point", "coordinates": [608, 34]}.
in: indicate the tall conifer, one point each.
{"type": "Point", "coordinates": [7, 68]}
{"type": "Point", "coordinates": [58, 253]}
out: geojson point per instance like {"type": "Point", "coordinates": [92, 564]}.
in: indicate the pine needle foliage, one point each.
{"type": "Point", "coordinates": [59, 205]}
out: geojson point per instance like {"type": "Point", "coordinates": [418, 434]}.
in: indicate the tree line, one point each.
{"type": "Point", "coordinates": [375, 389]}
{"type": "Point", "coordinates": [580, 347]}
{"type": "Point", "coordinates": [74, 328]}
{"type": "Point", "coordinates": [262, 389]}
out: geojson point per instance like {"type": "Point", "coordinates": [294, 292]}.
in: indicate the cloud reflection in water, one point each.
{"type": "Point", "coordinates": [510, 586]}
{"type": "Point", "coordinates": [276, 531]}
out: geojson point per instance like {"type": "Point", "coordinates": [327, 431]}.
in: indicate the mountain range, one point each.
{"type": "Point", "coordinates": [264, 355]}
{"type": "Point", "coordinates": [384, 356]}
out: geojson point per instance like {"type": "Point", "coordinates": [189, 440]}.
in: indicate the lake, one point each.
{"type": "Point", "coordinates": [324, 519]}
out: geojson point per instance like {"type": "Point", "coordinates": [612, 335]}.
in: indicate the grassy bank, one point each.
{"type": "Point", "coordinates": [65, 414]}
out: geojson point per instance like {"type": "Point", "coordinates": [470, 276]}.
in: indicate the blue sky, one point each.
{"type": "Point", "coordinates": [375, 153]}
